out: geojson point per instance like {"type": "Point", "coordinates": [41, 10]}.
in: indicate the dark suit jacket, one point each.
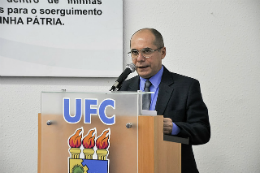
{"type": "Point", "coordinates": [180, 99]}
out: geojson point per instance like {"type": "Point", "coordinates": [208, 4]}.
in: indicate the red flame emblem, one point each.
{"type": "Point", "coordinates": [89, 140]}
{"type": "Point", "coordinates": [75, 140]}
{"type": "Point", "coordinates": [102, 141]}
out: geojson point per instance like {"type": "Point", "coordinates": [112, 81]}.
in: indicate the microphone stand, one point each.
{"type": "Point", "coordinates": [129, 69]}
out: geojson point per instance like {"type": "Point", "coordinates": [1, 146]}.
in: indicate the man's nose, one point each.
{"type": "Point", "coordinates": [140, 57]}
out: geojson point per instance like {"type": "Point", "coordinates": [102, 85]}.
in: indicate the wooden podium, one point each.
{"type": "Point", "coordinates": [159, 155]}
{"type": "Point", "coordinates": [143, 148]}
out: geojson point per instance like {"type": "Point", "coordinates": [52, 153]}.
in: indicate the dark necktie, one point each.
{"type": "Point", "coordinates": [146, 97]}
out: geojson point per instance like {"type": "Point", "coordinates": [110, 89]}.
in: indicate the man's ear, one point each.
{"type": "Point", "coordinates": [163, 51]}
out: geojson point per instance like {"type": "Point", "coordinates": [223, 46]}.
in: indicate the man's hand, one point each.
{"type": "Point", "coordinates": [167, 125]}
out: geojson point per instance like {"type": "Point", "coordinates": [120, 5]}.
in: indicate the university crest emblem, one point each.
{"type": "Point", "coordinates": [88, 154]}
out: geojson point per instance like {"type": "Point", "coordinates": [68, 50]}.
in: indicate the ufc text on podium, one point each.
{"type": "Point", "coordinates": [103, 132]}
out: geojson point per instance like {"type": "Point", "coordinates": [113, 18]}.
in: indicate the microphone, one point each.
{"type": "Point", "coordinates": [129, 69]}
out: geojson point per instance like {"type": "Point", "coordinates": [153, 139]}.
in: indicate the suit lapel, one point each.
{"type": "Point", "coordinates": [166, 88]}
{"type": "Point", "coordinates": [134, 86]}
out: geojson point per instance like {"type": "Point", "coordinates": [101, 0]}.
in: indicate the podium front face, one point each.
{"type": "Point", "coordinates": [88, 132]}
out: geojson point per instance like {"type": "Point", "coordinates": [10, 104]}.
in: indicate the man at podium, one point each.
{"type": "Point", "coordinates": [178, 98]}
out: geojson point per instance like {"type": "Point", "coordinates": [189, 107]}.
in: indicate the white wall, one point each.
{"type": "Point", "coordinates": [217, 42]}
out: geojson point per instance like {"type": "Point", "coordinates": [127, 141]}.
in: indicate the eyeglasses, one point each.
{"type": "Point", "coordinates": [145, 52]}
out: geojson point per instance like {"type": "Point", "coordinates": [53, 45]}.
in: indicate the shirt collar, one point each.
{"type": "Point", "coordinates": [155, 79]}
